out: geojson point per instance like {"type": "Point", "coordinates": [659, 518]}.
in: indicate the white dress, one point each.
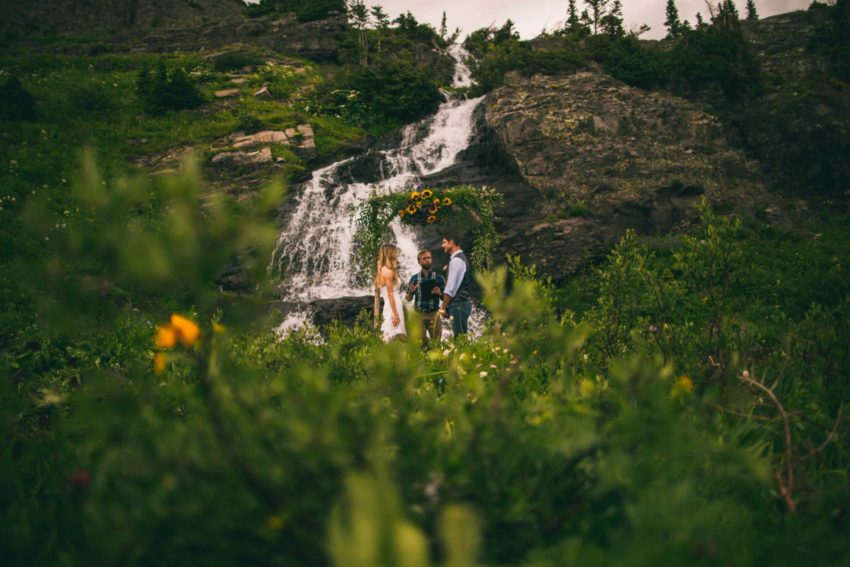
{"type": "Point", "coordinates": [387, 330]}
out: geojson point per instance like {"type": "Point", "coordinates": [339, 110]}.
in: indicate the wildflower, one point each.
{"type": "Point", "coordinates": [159, 362]}
{"type": "Point", "coordinates": [411, 209]}
{"type": "Point", "coordinates": [414, 196]}
{"type": "Point", "coordinates": [274, 523]}
{"type": "Point", "coordinates": [685, 383]}
{"type": "Point", "coordinates": [431, 219]}
{"type": "Point", "coordinates": [447, 202]}
{"type": "Point", "coordinates": [482, 374]}
{"type": "Point", "coordinates": [166, 337]}
{"type": "Point", "coordinates": [437, 201]}
{"type": "Point", "coordinates": [433, 210]}
{"type": "Point", "coordinates": [401, 213]}
{"type": "Point", "coordinates": [187, 331]}
{"type": "Point", "coordinates": [426, 194]}
{"type": "Point", "coordinates": [80, 479]}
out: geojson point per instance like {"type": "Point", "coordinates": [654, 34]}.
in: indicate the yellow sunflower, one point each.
{"type": "Point", "coordinates": [411, 209]}
{"type": "Point", "coordinates": [414, 195]}
{"type": "Point", "coordinates": [426, 194]}
{"type": "Point", "coordinates": [431, 219]}
{"type": "Point", "coordinates": [447, 202]}
{"type": "Point", "coordinates": [433, 210]}
{"type": "Point", "coordinates": [436, 201]}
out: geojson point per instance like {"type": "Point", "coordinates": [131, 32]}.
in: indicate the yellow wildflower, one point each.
{"type": "Point", "coordinates": [187, 331]}
{"type": "Point", "coordinates": [431, 219]}
{"type": "Point", "coordinates": [436, 201]}
{"type": "Point", "coordinates": [426, 194]}
{"type": "Point", "coordinates": [159, 362]}
{"type": "Point", "coordinates": [166, 337]}
{"type": "Point", "coordinates": [685, 383]}
{"type": "Point", "coordinates": [414, 195]}
{"type": "Point", "coordinates": [411, 209]}
{"type": "Point", "coordinates": [274, 523]}
{"type": "Point", "coordinates": [401, 213]}
{"type": "Point", "coordinates": [447, 202]}
{"type": "Point", "coordinates": [433, 210]}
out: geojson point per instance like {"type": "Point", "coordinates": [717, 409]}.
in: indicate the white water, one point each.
{"type": "Point", "coordinates": [315, 249]}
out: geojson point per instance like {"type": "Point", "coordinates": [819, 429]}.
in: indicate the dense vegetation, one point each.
{"type": "Point", "coordinates": [711, 54]}
{"type": "Point", "coordinates": [682, 404]}
{"type": "Point", "coordinates": [677, 407]}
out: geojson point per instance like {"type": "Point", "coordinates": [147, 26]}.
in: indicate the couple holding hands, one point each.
{"type": "Point", "coordinates": [433, 296]}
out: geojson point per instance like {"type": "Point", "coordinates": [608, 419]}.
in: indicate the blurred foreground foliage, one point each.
{"type": "Point", "coordinates": [618, 432]}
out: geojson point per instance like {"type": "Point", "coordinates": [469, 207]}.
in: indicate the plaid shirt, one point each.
{"type": "Point", "coordinates": [432, 302]}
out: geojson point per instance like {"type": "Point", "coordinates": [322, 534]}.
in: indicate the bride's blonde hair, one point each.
{"type": "Point", "coordinates": [387, 258]}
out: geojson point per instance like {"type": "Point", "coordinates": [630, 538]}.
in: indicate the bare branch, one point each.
{"type": "Point", "coordinates": [832, 436]}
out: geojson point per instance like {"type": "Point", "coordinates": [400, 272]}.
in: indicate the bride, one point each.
{"type": "Point", "coordinates": [387, 283]}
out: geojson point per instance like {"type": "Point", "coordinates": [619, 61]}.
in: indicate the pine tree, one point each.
{"type": "Point", "coordinates": [612, 22]}
{"type": "Point", "coordinates": [443, 28]}
{"type": "Point", "coordinates": [572, 17]}
{"type": "Point", "coordinates": [672, 22]}
{"type": "Point", "coordinates": [700, 21]}
{"type": "Point", "coordinates": [752, 15]}
{"type": "Point", "coordinates": [382, 22]}
{"type": "Point", "coordinates": [597, 10]}
{"type": "Point", "coordinates": [360, 14]}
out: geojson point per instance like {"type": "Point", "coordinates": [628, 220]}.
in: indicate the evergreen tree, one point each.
{"type": "Point", "coordinates": [672, 22]}
{"type": "Point", "coordinates": [505, 33]}
{"type": "Point", "coordinates": [359, 14]}
{"type": "Point", "coordinates": [572, 17]}
{"type": "Point", "coordinates": [586, 21]}
{"type": "Point", "coordinates": [700, 21]}
{"type": "Point", "coordinates": [597, 11]}
{"type": "Point", "coordinates": [16, 102]}
{"type": "Point", "coordinates": [443, 28]}
{"type": "Point", "coordinates": [612, 22]}
{"type": "Point", "coordinates": [382, 22]}
{"type": "Point", "coordinates": [752, 15]}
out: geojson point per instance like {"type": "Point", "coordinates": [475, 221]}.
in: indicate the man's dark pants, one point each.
{"type": "Point", "coordinates": [459, 311]}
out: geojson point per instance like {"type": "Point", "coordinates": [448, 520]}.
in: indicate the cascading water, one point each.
{"type": "Point", "coordinates": [315, 249]}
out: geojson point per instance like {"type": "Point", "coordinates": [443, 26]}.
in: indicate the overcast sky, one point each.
{"type": "Point", "coordinates": [531, 16]}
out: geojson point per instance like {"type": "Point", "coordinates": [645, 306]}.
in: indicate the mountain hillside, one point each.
{"type": "Point", "coordinates": [112, 16]}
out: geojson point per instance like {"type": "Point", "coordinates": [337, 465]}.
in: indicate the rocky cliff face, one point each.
{"type": "Point", "coordinates": [112, 16]}
{"type": "Point", "coordinates": [799, 128]}
{"type": "Point", "coordinates": [168, 25]}
{"type": "Point", "coordinates": [592, 157]}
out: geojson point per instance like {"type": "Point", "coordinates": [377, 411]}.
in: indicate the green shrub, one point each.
{"type": "Point", "coordinates": [91, 98]}
{"type": "Point", "coordinates": [16, 102]}
{"type": "Point", "coordinates": [166, 91]}
{"type": "Point", "coordinates": [236, 60]}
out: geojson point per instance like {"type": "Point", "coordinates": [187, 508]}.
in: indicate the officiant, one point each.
{"type": "Point", "coordinates": [426, 288]}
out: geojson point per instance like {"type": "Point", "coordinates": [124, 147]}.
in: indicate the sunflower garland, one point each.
{"type": "Point", "coordinates": [424, 206]}
{"type": "Point", "coordinates": [462, 205]}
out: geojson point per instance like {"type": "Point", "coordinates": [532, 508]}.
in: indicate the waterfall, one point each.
{"type": "Point", "coordinates": [315, 249]}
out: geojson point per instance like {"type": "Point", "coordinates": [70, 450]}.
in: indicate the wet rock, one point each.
{"type": "Point", "coordinates": [343, 310]}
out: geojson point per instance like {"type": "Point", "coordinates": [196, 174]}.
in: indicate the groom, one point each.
{"type": "Point", "coordinates": [457, 297]}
